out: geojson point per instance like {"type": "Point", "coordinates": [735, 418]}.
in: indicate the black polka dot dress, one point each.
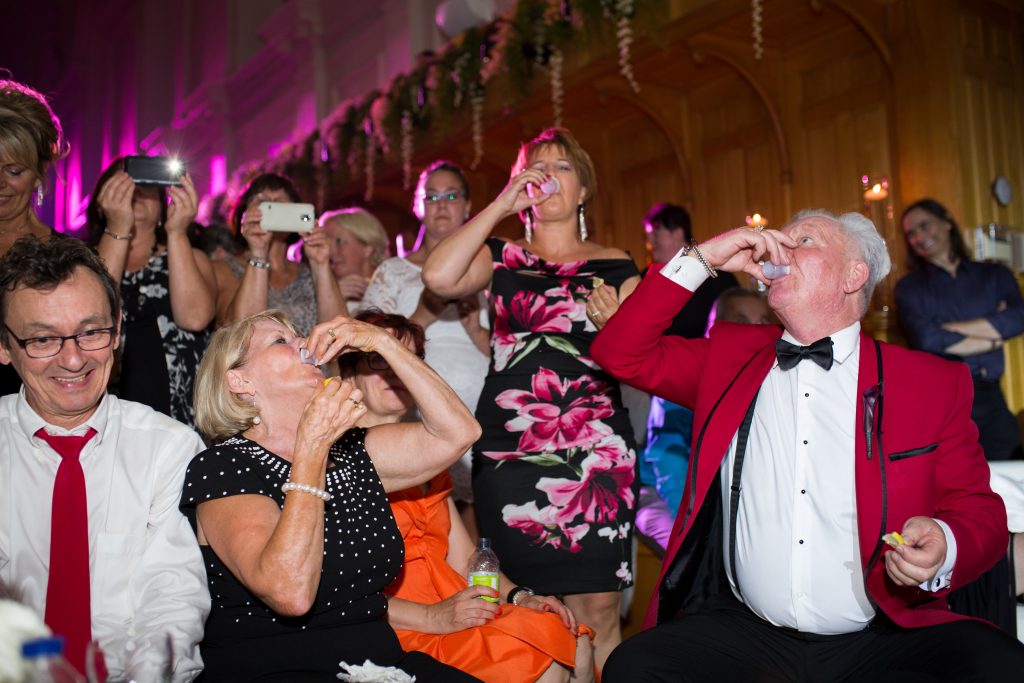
{"type": "Point", "coordinates": [363, 552]}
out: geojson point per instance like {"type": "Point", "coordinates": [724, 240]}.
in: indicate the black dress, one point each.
{"type": "Point", "coordinates": [245, 640]}
{"type": "Point", "coordinates": [159, 360]}
{"type": "Point", "coordinates": [554, 474]}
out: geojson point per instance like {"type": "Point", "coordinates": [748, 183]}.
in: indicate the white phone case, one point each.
{"type": "Point", "coordinates": [286, 217]}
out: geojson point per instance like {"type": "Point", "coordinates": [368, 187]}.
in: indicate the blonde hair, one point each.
{"type": "Point", "coordinates": [365, 227]}
{"type": "Point", "coordinates": [221, 413]}
{"type": "Point", "coordinates": [30, 133]}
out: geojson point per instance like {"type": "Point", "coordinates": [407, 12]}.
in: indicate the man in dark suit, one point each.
{"type": "Point", "coordinates": [810, 443]}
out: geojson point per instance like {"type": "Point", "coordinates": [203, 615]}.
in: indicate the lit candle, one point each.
{"type": "Point", "coordinates": [875, 190]}
{"type": "Point", "coordinates": [756, 220]}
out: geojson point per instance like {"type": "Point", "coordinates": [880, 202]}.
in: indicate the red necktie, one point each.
{"type": "Point", "coordinates": [67, 591]}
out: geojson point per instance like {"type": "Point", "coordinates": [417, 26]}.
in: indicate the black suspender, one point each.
{"type": "Point", "coordinates": [734, 488]}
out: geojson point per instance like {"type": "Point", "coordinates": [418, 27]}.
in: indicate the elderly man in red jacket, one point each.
{"type": "Point", "coordinates": [810, 444]}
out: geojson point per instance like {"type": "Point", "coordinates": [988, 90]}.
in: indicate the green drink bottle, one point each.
{"type": "Point", "coordinates": [483, 567]}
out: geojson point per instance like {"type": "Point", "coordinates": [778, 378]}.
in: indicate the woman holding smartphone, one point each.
{"type": "Point", "coordinates": [168, 290]}
{"type": "Point", "coordinates": [306, 291]}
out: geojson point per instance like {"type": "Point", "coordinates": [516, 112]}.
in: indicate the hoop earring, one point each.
{"type": "Point", "coordinates": [256, 418]}
{"type": "Point", "coordinates": [581, 219]}
{"type": "Point", "coordinates": [529, 226]}
{"type": "Point", "coordinates": [39, 194]}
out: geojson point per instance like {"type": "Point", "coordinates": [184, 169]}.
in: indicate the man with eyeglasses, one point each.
{"type": "Point", "coordinates": [90, 532]}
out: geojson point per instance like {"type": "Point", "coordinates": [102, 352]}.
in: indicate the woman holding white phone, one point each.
{"type": "Point", "coordinates": [269, 279]}
{"type": "Point", "coordinates": [168, 289]}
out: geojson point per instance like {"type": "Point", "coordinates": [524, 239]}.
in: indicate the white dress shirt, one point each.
{"type": "Point", "coordinates": [797, 551]}
{"type": "Point", "coordinates": [147, 579]}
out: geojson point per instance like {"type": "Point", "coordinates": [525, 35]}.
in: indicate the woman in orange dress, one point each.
{"type": "Point", "coordinates": [429, 605]}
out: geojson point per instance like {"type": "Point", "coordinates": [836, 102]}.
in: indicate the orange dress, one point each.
{"type": "Point", "coordinates": [517, 645]}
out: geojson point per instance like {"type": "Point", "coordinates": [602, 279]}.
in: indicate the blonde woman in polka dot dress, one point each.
{"type": "Point", "coordinates": [290, 506]}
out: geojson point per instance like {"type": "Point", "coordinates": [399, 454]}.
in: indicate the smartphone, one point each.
{"type": "Point", "coordinates": [154, 170]}
{"type": "Point", "coordinates": [285, 217]}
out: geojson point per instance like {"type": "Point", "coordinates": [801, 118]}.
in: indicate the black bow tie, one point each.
{"type": "Point", "coordinates": [791, 354]}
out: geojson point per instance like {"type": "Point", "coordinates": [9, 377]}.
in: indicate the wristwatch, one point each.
{"type": "Point", "coordinates": [518, 594]}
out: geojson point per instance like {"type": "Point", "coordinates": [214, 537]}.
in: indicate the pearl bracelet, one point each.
{"type": "Point", "coordinates": [306, 488]}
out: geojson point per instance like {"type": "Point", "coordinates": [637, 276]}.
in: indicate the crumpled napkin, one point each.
{"type": "Point", "coordinates": [369, 672]}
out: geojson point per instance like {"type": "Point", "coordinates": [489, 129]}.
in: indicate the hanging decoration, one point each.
{"type": "Point", "coordinates": [531, 37]}
{"type": "Point", "coordinates": [756, 20]}
{"type": "Point", "coordinates": [406, 150]}
{"type": "Point", "coordinates": [476, 105]}
{"type": "Point", "coordinates": [557, 86]}
{"type": "Point", "coordinates": [370, 158]}
{"type": "Point", "coordinates": [624, 33]}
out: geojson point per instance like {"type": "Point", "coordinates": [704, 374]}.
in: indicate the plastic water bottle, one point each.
{"type": "Point", "coordinates": [45, 663]}
{"type": "Point", "coordinates": [483, 568]}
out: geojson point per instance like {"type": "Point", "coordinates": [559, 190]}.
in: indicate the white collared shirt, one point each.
{"type": "Point", "coordinates": [146, 571]}
{"type": "Point", "coordinates": [797, 551]}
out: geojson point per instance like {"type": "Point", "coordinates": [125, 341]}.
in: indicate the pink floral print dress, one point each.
{"type": "Point", "coordinates": [554, 474]}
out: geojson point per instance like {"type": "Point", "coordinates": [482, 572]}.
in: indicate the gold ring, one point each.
{"type": "Point", "coordinates": [357, 404]}
{"type": "Point", "coordinates": [327, 381]}
{"type": "Point", "coordinates": [330, 331]}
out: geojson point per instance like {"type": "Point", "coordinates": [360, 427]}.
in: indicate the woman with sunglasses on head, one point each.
{"type": "Point", "coordinates": [521, 637]}
{"type": "Point", "coordinates": [554, 473]}
{"type": "Point", "coordinates": [459, 344]}
{"type": "Point", "coordinates": [290, 507]}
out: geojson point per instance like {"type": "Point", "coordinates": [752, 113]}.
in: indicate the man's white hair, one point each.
{"type": "Point", "coordinates": [867, 243]}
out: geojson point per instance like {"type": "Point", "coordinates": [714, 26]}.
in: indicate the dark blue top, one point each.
{"type": "Point", "coordinates": [929, 296]}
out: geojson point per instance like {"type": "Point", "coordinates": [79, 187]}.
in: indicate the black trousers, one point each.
{"type": "Point", "coordinates": [727, 642]}
{"type": "Point", "coordinates": [998, 432]}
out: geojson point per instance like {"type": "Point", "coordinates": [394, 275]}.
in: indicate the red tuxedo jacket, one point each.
{"type": "Point", "coordinates": [930, 461]}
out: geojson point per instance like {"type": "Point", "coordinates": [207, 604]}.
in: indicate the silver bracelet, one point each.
{"type": "Point", "coordinates": [700, 257]}
{"type": "Point", "coordinates": [306, 488]}
{"type": "Point", "coordinates": [110, 233]}
{"type": "Point", "coordinates": [259, 263]}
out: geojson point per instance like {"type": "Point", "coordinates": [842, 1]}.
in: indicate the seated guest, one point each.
{"type": "Point", "coordinates": [31, 139]}
{"type": "Point", "coordinates": [168, 290]}
{"type": "Point", "coordinates": [358, 244]}
{"type": "Point", "coordinates": [529, 637]}
{"type": "Point", "coordinates": [963, 310]}
{"type": "Point", "coordinates": [793, 559]}
{"type": "Point", "coordinates": [290, 505]}
{"type": "Point", "coordinates": [90, 532]}
{"type": "Point", "coordinates": [306, 293]}
{"type": "Point", "coordinates": [670, 430]}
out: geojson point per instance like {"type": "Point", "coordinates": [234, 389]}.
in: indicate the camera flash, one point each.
{"type": "Point", "coordinates": [174, 166]}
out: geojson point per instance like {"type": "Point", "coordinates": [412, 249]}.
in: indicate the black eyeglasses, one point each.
{"type": "Point", "coordinates": [445, 197]}
{"type": "Point", "coordinates": [375, 361]}
{"type": "Point", "coordinates": [47, 347]}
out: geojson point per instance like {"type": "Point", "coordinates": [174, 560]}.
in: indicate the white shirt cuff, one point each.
{"type": "Point", "coordinates": [944, 576]}
{"type": "Point", "coordinates": [685, 272]}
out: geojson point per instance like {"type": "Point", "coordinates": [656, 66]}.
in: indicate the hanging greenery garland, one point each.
{"type": "Point", "coordinates": [532, 36]}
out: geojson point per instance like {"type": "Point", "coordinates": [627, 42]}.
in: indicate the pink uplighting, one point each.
{"type": "Point", "coordinates": [218, 174]}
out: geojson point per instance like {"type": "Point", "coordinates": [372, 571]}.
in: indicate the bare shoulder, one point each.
{"type": "Point", "coordinates": [597, 251]}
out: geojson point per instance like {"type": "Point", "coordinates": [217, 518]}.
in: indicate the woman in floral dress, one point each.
{"type": "Point", "coordinates": [554, 473]}
{"type": "Point", "coordinates": [168, 289]}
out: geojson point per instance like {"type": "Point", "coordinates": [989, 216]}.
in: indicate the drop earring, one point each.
{"type": "Point", "coordinates": [581, 219]}
{"type": "Point", "coordinates": [39, 194]}
{"type": "Point", "coordinates": [529, 226]}
{"type": "Point", "coordinates": [255, 418]}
